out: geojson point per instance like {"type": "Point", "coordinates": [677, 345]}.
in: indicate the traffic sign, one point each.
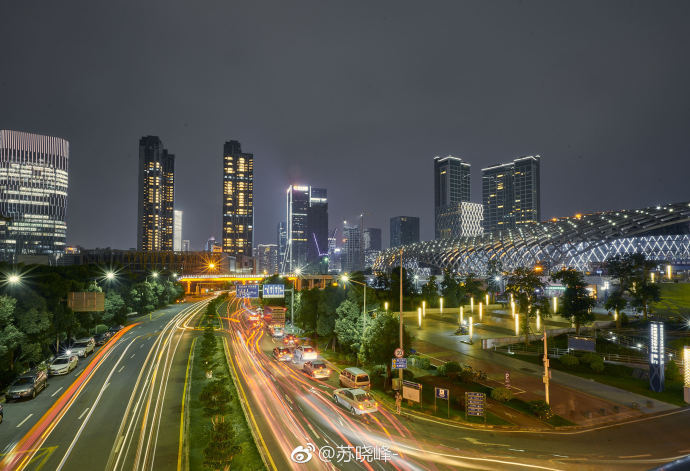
{"type": "Point", "coordinates": [399, 363]}
{"type": "Point", "coordinates": [474, 404]}
{"type": "Point", "coordinates": [247, 291]}
{"type": "Point", "coordinates": [442, 393]}
{"type": "Point", "coordinates": [399, 353]}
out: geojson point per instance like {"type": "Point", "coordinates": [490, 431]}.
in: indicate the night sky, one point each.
{"type": "Point", "coordinates": [354, 96]}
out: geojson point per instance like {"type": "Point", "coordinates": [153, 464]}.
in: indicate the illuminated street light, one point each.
{"type": "Point", "coordinates": [212, 265]}
{"type": "Point", "coordinates": [471, 328]}
{"type": "Point", "coordinates": [669, 272]}
{"type": "Point", "coordinates": [110, 275]}
{"type": "Point", "coordinates": [517, 324]}
{"type": "Point", "coordinates": [419, 316]}
{"type": "Point", "coordinates": [14, 279]}
{"type": "Point", "coordinates": [298, 271]}
{"type": "Point", "coordinates": [154, 274]}
{"type": "Point", "coordinates": [440, 300]}
{"type": "Point", "coordinates": [385, 306]}
{"type": "Point", "coordinates": [555, 304]}
{"type": "Point", "coordinates": [480, 312]}
{"type": "Point", "coordinates": [462, 316]}
{"type": "Point", "coordinates": [472, 304]}
{"type": "Point", "coordinates": [538, 320]}
{"type": "Point", "coordinates": [423, 308]}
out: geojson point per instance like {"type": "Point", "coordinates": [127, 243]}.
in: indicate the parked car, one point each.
{"type": "Point", "coordinates": [316, 369]}
{"type": "Point", "coordinates": [304, 352]}
{"type": "Point", "coordinates": [354, 378]}
{"type": "Point", "coordinates": [63, 364]}
{"type": "Point", "coordinates": [282, 354]}
{"type": "Point", "coordinates": [27, 385]}
{"type": "Point", "coordinates": [356, 400]}
{"type": "Point", "coordinates": [83, 347]}
{"type": "Point", "coordinates": [101, 339]}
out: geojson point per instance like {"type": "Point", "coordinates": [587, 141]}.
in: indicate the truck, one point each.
{"type": "Point", "coordinates": [274, 318]}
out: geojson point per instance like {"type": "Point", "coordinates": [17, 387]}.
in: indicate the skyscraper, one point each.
{"type": "Point", "coordinates": [404, 230]}
{"type": "Point", "coordinates": [156, 196]}
{"type": "Point", "coordinates": [177, 231]}
{"type": "Point", "coordinates": [371, 238]}
{"type": "Point", "coordinates": [307, 228]}
{"type": "Point", "coordinates": [267, 255]}
{"type": "Point", "coordinates": [451, 187]}
{"type": "Point", "coordinates": [282, 245]}
{"type": "Point", "coordinates": [238, 200]}
{"type": "Point", "coordinates": [352, 254]}
{"type": "Point", "coordinates": [33, 194]}
{"type": "Point", "coordinates": [511, 193]}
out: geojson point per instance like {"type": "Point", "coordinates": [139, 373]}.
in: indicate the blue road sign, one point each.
{"type": "Point", "coordinates": [442, 393]}
{"type": "Point", "coordinates": [399, 363]}
{"type": "Point", "coordinates": [248, 291]}
{"type": "Point", "coordinates": [273, 291]}
{"type": "Point", "coordinates": [474, 403]}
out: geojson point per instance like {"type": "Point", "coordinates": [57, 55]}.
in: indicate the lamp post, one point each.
{"type": "Point", "coordinates": [401, 312]}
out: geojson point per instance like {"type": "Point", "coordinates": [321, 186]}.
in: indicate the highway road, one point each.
{"type": "Point", "coordinates": [116, 411]}
{"type": "Point", "coordinates": [289, 410]}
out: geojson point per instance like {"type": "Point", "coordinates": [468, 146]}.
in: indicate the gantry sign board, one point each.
{"type": "Point", "coordinates": [86, 301]}
{"type": "Point", "coordinates": [248, 291]}
{"type": "Point", "coordinates": [273, 291]}
{"type": "Point", "coordinates": [412, 391]}
{"type": "Point", "coordinates": [656, 356]}
{"type": "Point", "coordinates": [474, 403]}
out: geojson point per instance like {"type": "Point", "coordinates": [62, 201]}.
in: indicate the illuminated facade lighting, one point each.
{"type": "Point", "coordinates": [238, 200]}
{"type": "Point", "coordinates": [33, 194]}
{"type": "Point", "coordinates": [156, 196]}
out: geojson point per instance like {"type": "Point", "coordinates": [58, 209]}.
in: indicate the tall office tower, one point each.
{"type": "Point", "coordinates": [238, 200]}
{"type": "Point", "coordinates": [33, 194]}
{"type": "Point", "coordinates": [307, 229]}
{"type": "Point", "coordinates": [186, 245]}
{"type": "Point", "coordinates": [317, 231]}
{"type": "Point", "coordinates": [177, 231]}
{"type": "Point", "coordinates": [451, 188]}
{"type": "Point", "coordinates": [463, 219]}
{"type": "Point", "coordinates": [404, 230]}
{"type": "Point", "coordinates": [297, 210]}
{"type": "Point", "coordinates": [282, 245]}
{"type": "Point", "coordinates": [156, 196]}
{"type": "Point", "coordinates": [371, 240]}
{"type": "Point", "coordinates": [351, 260]}
{"type": "Point", "coordinates": [511, 193]}
{"type": "Point", "coordinates": [334, 253]}
{"type": "Point", "coordinates": [210, 243]}
{"type": "Point", "coordinates": [267, 255]}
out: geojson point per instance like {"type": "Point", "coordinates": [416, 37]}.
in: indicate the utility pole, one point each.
{"type": "Point", "coordinates": [546, 368]}
{"type": "Point", "coordinates": [401, 312]}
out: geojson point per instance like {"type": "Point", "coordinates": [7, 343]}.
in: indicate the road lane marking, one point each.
{"type": "Point", "coordinates": [60, 389]}
{"type": "Point", "coordinates": [82, 414]}
{"type": "Point", "coordinates": [133, 355]}
{"type": "Point", "coordinates": [23, 421]}
{"type": "Point", "coordinates": [119, 443]}
{"type": "Point", "coordinates": [121, 368]}
{"type": "Point", "coordinates": [182, 412]}
{"type": "Point", "coordinates": [635, 456]}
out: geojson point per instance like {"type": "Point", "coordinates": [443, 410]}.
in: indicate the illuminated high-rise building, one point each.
{"type": "Point", "coordinates": [267, 255]}
{"type": "Point", "coordinates": [281, 240]}
{"type": "Point", "coordinates": [238, 200]}
{"type": "Point", "coordinates": [177, 231]}
{"type": "Point", "coordinates": [307, 229]}
{"type": "Point", "coordinates": [451, 189]}
{"type": "Point", "coordinates": [404, 230]}
{"type": "Point", "coordinates": [33, 194]}
{"type": "Point", "coordinates": [156, 196]}
{"type": "Point", "coordinates": [511, 194]}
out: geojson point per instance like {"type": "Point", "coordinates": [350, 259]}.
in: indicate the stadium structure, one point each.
{"type": "Point", "coordinates": [583, 242]}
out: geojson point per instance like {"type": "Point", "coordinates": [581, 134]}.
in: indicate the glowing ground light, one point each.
{"type": "Point", "coordinates": [440, 300]}
{"type": "Point", "coordinates": [517, 324]}
{"type": "Point", "coordinates": [686, 366]}
{"type": "Point", "coordinates": [472, 304]}
{"type": "Point", "coordinates": [555, 304]}
{"type": "Point", "coordinates": [471, 328]}
{"type": "Point", "coordinates": [480, 312]}
{"type": "Point", "coordinates": [462, 316]}
{"type": "Point", "coordinates": [538, 320]}
{"type": "Point", "coordinates": [419, 316]}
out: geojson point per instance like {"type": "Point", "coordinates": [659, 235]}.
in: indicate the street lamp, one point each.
{"type": "Point", "coordinates": [110, 275]}
{"type": "Point", "coordinates": [14, 279]}
{"type": "Point", "coordinates": [154, 274]}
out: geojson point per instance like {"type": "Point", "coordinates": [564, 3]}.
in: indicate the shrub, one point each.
{"type": "Point", "coordinates": [100, 328]}
{"type": "Point", "coordinates": [408, 375]}
{"type": "Point", "coordinates": [541, 409]}
{"type": "Point", "coordinates": [420, 362]}
{"type": "Point", "coordinates": [449, 368]}
{"type": "Point", "coordinates": [589, 358]}
{"type": "Point", "coordinates": [597, 365]}
{"type": "Point", "coordinates": [466, 375]}
{"type": "Point", "coordinates": [625, 320]}
{"type": "Point", "coordinates": [501, 394]}
{"type": "Point", "coordinates": [569, 360]}
{"type": "Point", "coordinates": [672, 372]}
{"type": "Point", "coordinates": [378, 370]}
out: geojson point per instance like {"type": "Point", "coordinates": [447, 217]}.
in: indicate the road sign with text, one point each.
{"type": "Point", "coordinates": [474, 403]}
{"type": "Point", "coordinates": [399, 363]}
{"type": "Point", "coordinates": [248, 291]}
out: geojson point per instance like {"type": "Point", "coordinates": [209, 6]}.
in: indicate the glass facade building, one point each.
{"type": "Point", "coordinates": [156, 215]}
{"type": "Point", "coordinates": [404, 230]}
{"type": "Point", "coordinates": [451, 188]}
{"type": "Point", "coordinates": [307, 229]}
{"type": "Point", "coordinates": [238, 200]}
{"type": "Point", "coordinates": [33, 194]}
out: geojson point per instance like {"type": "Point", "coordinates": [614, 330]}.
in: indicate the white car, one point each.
{"type": "Point", "coordinates": [83, 347]}
{"type": "Point", "coordinates": [357, 401]}
{"type": "Point", "coordinates": [63, 364]}
{"type": "Point", "coordinates": [316, 369]}
{"type": "Point", "coordinates": [304, 353]}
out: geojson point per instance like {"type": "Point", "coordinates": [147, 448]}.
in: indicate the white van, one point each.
{"type": "Point", "coordinates": [354, 378]}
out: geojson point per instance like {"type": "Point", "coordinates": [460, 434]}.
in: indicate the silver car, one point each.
{"type": "Point", "coordinates": [63, 364]}
{"type": "Point", "coordinates": [27, 385]}
{"type": "Point", "coordinates": [83, 347]}
{"type": "Point", "coordinates": [357, 401]}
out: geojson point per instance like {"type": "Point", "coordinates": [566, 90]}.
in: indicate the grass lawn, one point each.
{"type": "Point", "coordinates": [199, 423]}
{"type": "Point", "coordinates": [619, 376]}
{"type": "Point", "coordinates": [675, 300]}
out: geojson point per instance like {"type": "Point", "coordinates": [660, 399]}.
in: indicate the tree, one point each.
{"type": "Point", "coordinates": [142, 298]}
{"type": "Point", "coordinates": [348, 326]}
{"type": "Point", "coordinates": [115, 308]}
{"type": "Point", "coordinates": [430, 292]}
{"type": "Point", "coordinates": [221, 450]}
{"type": "Point", "coordinates": [632, 272]}
{"type": "Point", "coordinates": [472, 287]}
{"type": "Point", "coordinates": [449, 288]}
{"type": "Point", "coordinates": [328, 301]}
{"type": "Point", "coordinates": [616, 302]}
{"type": "Point", "coordinates": [644, 292]}
{"type": "Point", "coordinates": [408, 289]}
{"type": "Point", "coordinates": [494, 270]}
{"type": "Point", "coordinates": [526, 286]}
{"type": "Point", "coordinates": [576, 301]}
{"type": "Point", "coordinates": [216, 397]}
{"type": "Point", "coordinates": [381, 338]}
{"type": "Point", "coordinates": [309, 309]}
{"type": "Point", "coordinates": [10, 335]}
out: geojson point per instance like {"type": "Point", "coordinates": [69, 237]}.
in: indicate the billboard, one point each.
{"type": "Point", "coordinates": [412, 391]}
{"type": "Point", "coordinates": [86, 301]}
{"type": "Point", "coordinates": [273, 291]}
{"type": "Point", "coordinates": [248, 291]}
{"type": "Point", "coordinates": [656, 356]}
{"type": "Point", "coordinates": [585, 344]}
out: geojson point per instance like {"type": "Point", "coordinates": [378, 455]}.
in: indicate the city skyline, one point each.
{"type": "Point", "coordinates": [596, 121]}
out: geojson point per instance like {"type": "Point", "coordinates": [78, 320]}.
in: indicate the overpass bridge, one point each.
{"type": "Point", "coordinates": [196, 284]}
